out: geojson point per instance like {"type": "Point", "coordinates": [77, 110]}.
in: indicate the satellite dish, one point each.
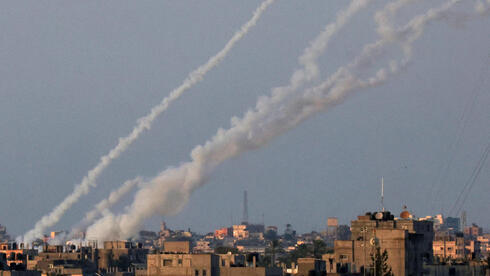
{"type": "Point", "coordinates": [379, 215]}
{"type": "Point", "coordinates": [374, 241]}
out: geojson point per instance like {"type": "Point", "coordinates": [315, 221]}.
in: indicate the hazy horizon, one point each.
{"type": "Point", "coordinates": [77, 75]}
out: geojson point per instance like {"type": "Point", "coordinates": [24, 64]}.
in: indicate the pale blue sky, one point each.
{"type": "Point", "coordinates": [75, 76]}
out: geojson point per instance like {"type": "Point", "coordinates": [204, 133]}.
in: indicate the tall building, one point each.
{"type": "Point", "coordinates": [408, 243]}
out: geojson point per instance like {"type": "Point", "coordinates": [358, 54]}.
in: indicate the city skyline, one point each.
{"type": "Point", "coordinates": [77, 81]}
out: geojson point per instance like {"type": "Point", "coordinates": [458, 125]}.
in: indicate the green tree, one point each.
{"type": "Point", "coordinates": [379, 263]}
{"type": "Point", "coordinates": [319, 248]}
{"type": "Point", "coordinates": [225, 250]}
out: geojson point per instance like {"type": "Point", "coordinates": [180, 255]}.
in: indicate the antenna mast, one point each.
{"type": "Point", "coordinates": [382, 193]}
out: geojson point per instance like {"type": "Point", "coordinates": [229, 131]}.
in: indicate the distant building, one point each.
{"type": "Point", "coordinates": [240, 231]}
{"type": "Point", "coordinates": [223, 233]}
{"type": "Point", "coordinates": [473, 230]}
{"type": "Point", "coordinates": [453, 224]}
{"type": "Point", "coordinates": [484, 241]}
{"type": "Point", "coordinates": [452, 249]}
{"type": "Point", "coordinates": [182, 247]}
{"type": "Point", "coordinates": [270, 232]}
{"type": "Point", "coordinates": [203, 246]}
{"type": "Point", "coordinates": [332, 226]}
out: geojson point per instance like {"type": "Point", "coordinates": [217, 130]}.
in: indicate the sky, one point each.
{"type": "Point", "coordinates": [76, 75]}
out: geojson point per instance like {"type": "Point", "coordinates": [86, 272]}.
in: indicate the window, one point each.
{"type": "Point", "coordinates": [196, 272]}
{"type": "Point", "coordinates": [167, 262]}
{"type": "Point", "coordinates": [203, 272]}
{"type": "Point", "coordinates": [180, 261]}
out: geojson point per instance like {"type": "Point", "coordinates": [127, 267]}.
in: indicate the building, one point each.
{"type": "Point", "coordinates": [203, 246]}
{"type": "Point", "coordinates": [56, 260]}
{"type": "Point", "coordinates": [240, 232]}
{"type": "Point", "coordinates": [452, 224]}
{"type": "Point", "coordinates": [332, 226]}
{"type": "Point", "coordinates": [223, 233]}
{"type": "Point", "coordinates": [450, 249]}
{"type": "Point", "coordinates": [207, 265]}
{"type": "Point", "coordinates": [472, 231]}
{"type": "Point", "coordinates": [183, 264]}
{"type": "Point", "coordinates": [120, 256]}
{"type": "Point", "coordinates": [245, 265]}
{"type": "Point", "coordinates": [407, 241]}
{"type": "Point", "coordinates": [182, 247]}
{"type": "Point", "coordinates": [484, 244]}
{"type": "Point", "coordinates": [311, 266]}
{"type": "Point", "coordinates": [16, 257]}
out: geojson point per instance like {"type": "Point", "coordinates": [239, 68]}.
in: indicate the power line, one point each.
{"type": "Point", "coordinates": [470, 182]}
{"type": "Point", "coordinates": [439, 184]}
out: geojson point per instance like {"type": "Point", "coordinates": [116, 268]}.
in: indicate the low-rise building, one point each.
{"type": "Point", "coordinates": [16, 257]}
{"type": "Point", "coordinates": [183, 264]}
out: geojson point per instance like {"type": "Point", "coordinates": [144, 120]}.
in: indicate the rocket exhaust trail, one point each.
{"type": "Point", "coordinates": [105, 204]}
{"type": "Point", "coordinates": [168, 192]}
{"type": "Point", "coordinates": [143, 124]}
{"type": "Point", "coordinates": [318, 45]}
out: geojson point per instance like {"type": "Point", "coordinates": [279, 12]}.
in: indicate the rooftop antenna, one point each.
{"type": "Point", "coordinates": [382, 193]}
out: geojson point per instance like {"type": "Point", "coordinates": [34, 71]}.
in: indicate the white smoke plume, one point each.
{"type": "Point", "coordinates": [144, 123]}
{"type": "Point", "coordinates": [103, 206]}
{"type": "Point", "coordinates": [307, 73]}
{"type": "Point", "coordinates": [168, 192]}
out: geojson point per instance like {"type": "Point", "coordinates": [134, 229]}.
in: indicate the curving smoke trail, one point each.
{"type": "Point", "coordinates": [103, 206]}
{"type": "Point", "coordinates": [317, 47]}
{"type": "Point", "coordinates": [307, 73]}
{"type": "Point", "coordinates": [143, 124]}
{"type": "Point", "coordinates": [169, 191]}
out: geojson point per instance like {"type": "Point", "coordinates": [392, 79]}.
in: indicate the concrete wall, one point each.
{"type": "Point", "coordinates": [183, 264]}
{"type": "Point", "coordinates": [177, 247]}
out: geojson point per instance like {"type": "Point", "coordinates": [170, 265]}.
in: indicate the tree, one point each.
{"type": "Point", "coordinates": [225, 250]}
{"type": "Point", "coordinates": [319, 248]}
{"type": "Point", "coordinates": [315, 250]}
{"type": "Point", "coordinates": [379, 263]}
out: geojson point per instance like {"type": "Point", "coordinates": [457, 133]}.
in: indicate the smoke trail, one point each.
{"type": "Point", "coordinates": [105, 204]}
{"type": "Point", "coordinates": [168, 192]}
{"type": "Point", "coordinates": [318, 45]}
{"type": "Point", "coordinates": [143, 123]}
